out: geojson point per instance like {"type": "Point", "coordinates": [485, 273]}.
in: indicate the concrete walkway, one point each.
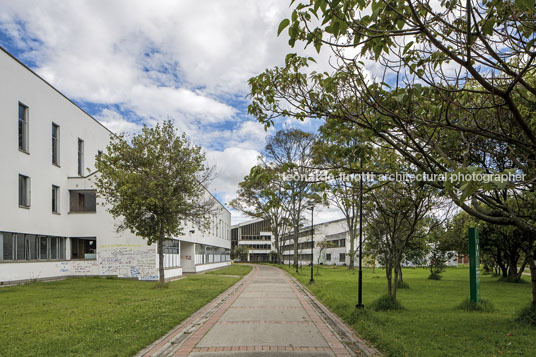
{"type": "Point", "coordinates": [267, 313]}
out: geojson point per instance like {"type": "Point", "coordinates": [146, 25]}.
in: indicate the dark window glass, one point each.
{"type": "Point", "coordinates": [20, 247]}
{"type": "Point", "coordinates": [328, 256]}
{"type": "Point", "coordinates": [342, 257]}
{"type": "Point", "coordinates": [53, 248]}
{"type": "Point", "coordinates": [55, 198]}
{"type": "Point", "coordinates": [24, 191]}
{"type": "Point", "coordinates": [7, 246]}
{"type": "Point", "coordinates": [83, 248]}
{"type": "Point", "coordinates": [23, 127]}
{"type": "Point", "coordinates": [55, 143]}
{"type": "Point", "coordinates": [82, 201]}
{"type": "Point", "coordinates": [80, 157]}
{"type": "Point", "coordinates": [43, 248]}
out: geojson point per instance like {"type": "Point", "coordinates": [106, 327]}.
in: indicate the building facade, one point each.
{"type": "Point", "coordinates": [335, 232]}
{"type": "Point", "coordinates": [51, 222]}
{"type": "Point", "coordinates": [256, 235]}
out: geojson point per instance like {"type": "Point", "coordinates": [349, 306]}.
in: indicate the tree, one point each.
{"type": "Point", "coordinates": [241, 252]}
{"type": "Point", "coordinates": [154, 183]}
{"type": "Point", "coordinates": [456, 92]}
{"type": "Point", "coordinates": [289, 151]}
{"type": "Point", "coordinates": [262, 195]}
{"type": "Point", "coordinates": [323, 245]}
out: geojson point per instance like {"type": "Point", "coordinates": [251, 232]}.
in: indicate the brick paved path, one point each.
{"type": "Point", "coordinates": [265, 314]}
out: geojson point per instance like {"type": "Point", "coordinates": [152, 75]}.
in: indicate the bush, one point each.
{"type": "Point", "coordinates": [482, 306]}
{"type": "Point", "coordinates": [434, 276]}
{"type": "Point", "coordinates": [527, 316]}
{"type": "Point", "coordinates": [386, 303]}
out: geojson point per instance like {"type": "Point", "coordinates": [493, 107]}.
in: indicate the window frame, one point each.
{"type": "Point", "coordinates": [23, 137]}
{"type": "Point", "coordinates": [55, 199]}
{"type": "Point", "coordinates": [27, 202]}
{"type": "Point", "coordinates": [80, 157]}
{"type": "Point", "coordinates": [55, 144]}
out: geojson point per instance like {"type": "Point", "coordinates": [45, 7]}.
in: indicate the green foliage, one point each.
{"type": "Point", "coordinates": [482, 306]}
{"type": "Point", "coordinates": [240, 252]}
{"type": "Point", "coordinates": [153, 184]}
{"type": "Point", "coordinates": [402, 285]}
{"type": "Point", "coordinates": [386, 303]}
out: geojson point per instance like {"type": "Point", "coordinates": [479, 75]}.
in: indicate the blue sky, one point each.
{"type": "Point", "coordinates": [130, 63]}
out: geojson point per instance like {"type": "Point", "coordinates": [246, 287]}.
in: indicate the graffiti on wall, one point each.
{"type": "Point", "coordinates": [128, 260]}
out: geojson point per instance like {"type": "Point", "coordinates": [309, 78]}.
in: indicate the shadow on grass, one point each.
{"type": "Point", "coordinates": [482, 306]}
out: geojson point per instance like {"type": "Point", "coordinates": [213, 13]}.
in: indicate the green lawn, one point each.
{"type": "Point", "coordinates": [232, 270]}
{"type": "Point", "coordinates": [95, 316]}
{"type": "Point", "coordinates": [430, 325]}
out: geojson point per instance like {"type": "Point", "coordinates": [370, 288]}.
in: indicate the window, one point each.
{"type": "Point", "coordinates": [55, 144]}
{"type": "Point", "coordinates": [342, 257]}
{"type": "Point", "coordinates": [55, 199]}
{"type": "Point", "coordinates": [84, 248]}
{"type": "Point", "coordinates": [82, 201]}
{"type": "Point", "coordinates": [23, 127]}
{"type": "Point", "coordinates": [328, 257]}
{"type": "Point", "coordinates": [171, 246]}
{"type": "Point", "coordinates": [18, 246]}
{"type": "Point", "coordinates": [80, 157]}
{"type": "Point", "coordinates": [24, 191]}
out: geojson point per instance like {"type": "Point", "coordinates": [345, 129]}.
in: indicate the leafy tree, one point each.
{"type": "Point", "coordinates": [456, 94]}
{"type": "Point", "coordinates": [289, 153]}
{"type": "Point", "coordinates": [241, 252]}
{"type": "Point", "coordinates": [323, 245]}
{"type": "Point", "coordinates": [154, 184]}
{"type": "Point", "coordinates": [262, 195]}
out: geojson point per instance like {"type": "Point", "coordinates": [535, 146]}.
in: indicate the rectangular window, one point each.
{"type": "Point", "coordinates": [7, 246]}
{"type": "Point", "coordinates": [23, 127]}
{"type": "Point", "coordinates": [342, 257]}
{"type": "Point", "coordinates": [19, 240]}
{"type": "Point", "coordinates": [82, 201]}
{"type": "Point", "coordinates": [328, 257]}
{"type": "Point", "coordinates": [43, 248]}
{"type": "Point", "coordinates": [55, 144]}
{"type": "Point", "coordinates": [171, 246]}
{"type": "Point", "coordinates": [84, 248]}
{"type": "Point", "coordinates": [55, 199]}
{"type": "Point", "coordinates": [80, 157]}
{"type": "Point", "coordinates": [24, 191]}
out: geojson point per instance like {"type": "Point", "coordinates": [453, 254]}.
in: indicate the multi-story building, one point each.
{"type": "Point", "coordinates": [335, 232]}
{"type": "Point", "coordinates": [256, 235]}
{"type": "Point", "coordinates": [52, 224]}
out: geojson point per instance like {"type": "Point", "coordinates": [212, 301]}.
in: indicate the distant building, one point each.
{"type": "Point", "coordinates": [51, 222]}
{"type": "Point", "coordinates": [335, 232]}
{"type": "Point", "coordinates": [256, 235]}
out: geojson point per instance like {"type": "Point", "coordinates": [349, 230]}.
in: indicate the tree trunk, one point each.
{"type": "Point", "coordinates": [389, 276]}
{"type": "Point", "coordinates": [352, 252]}
{"type": "Point", "coordinates": [533, 277]}
{"type": "Point", "coordinates": [161, 280]}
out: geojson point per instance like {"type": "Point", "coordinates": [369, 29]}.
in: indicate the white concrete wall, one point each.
{"type": "Point", "coordinates": [122, 254]}
{"type": "Point", "coordinates": [203, 267]}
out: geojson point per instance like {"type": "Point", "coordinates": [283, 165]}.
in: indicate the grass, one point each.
{"type": "Point", "coordinates": [235, 269]}
{"type": "Point", "coordinates": [431, 323]}
{"type": "Point", "coordinates": [95, 316]}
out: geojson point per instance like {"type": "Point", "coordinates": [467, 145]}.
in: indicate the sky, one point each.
{"type": "Point", "coordinates": [130, 63]}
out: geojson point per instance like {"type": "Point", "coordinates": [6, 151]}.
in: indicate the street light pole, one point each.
{"type": "Point", "coordinates": [312, 244]}
{"type": "Point", "coordinates": [360, 282]}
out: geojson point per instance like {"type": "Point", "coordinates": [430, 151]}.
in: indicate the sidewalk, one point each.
{"type": "Point", "coordinates": [267, 314]}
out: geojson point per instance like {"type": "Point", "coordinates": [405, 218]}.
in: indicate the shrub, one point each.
{"type": "Point", "coordinates": [482, 306]}
{"type": "Point", "coordinates": [386, 303]}
{"type": "Point", "coordinates": [527, 316]}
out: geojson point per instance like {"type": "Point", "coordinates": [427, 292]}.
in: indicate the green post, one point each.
{"type": "Point", "coordinates": [474, 264]}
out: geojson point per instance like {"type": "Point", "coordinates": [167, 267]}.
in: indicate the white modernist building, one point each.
{"type": "Point", "coordinates": [256, 235]}
{"type": "Point", "coordinates": [335, 232]}
{"type": "Point", "coordinates": [51, 222]}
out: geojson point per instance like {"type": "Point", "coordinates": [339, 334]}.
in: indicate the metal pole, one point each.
{"type": "Point", "coordinates": [360, 282]}
{"type": "Point", "coordinates": [312, 245]}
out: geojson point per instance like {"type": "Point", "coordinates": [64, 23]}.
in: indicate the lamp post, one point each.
{"type": "Point", "coordinates": [312, 208]}
{"type": "Point", "coordinates": [360, 282]}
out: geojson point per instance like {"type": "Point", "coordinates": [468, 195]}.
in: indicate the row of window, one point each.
{"type": "Point", "coordinates": [266, 238]}
{"type": "Point", "coordinates": [24, 139]}
{"type": "Point", "coordinates": [24, 247]}
{"type": "Point", "coordinates": [79, 200]}
{"type": "Point", "coordinates": [257, 246]}
{"type": "Point", "coordinates": [342, 257]}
